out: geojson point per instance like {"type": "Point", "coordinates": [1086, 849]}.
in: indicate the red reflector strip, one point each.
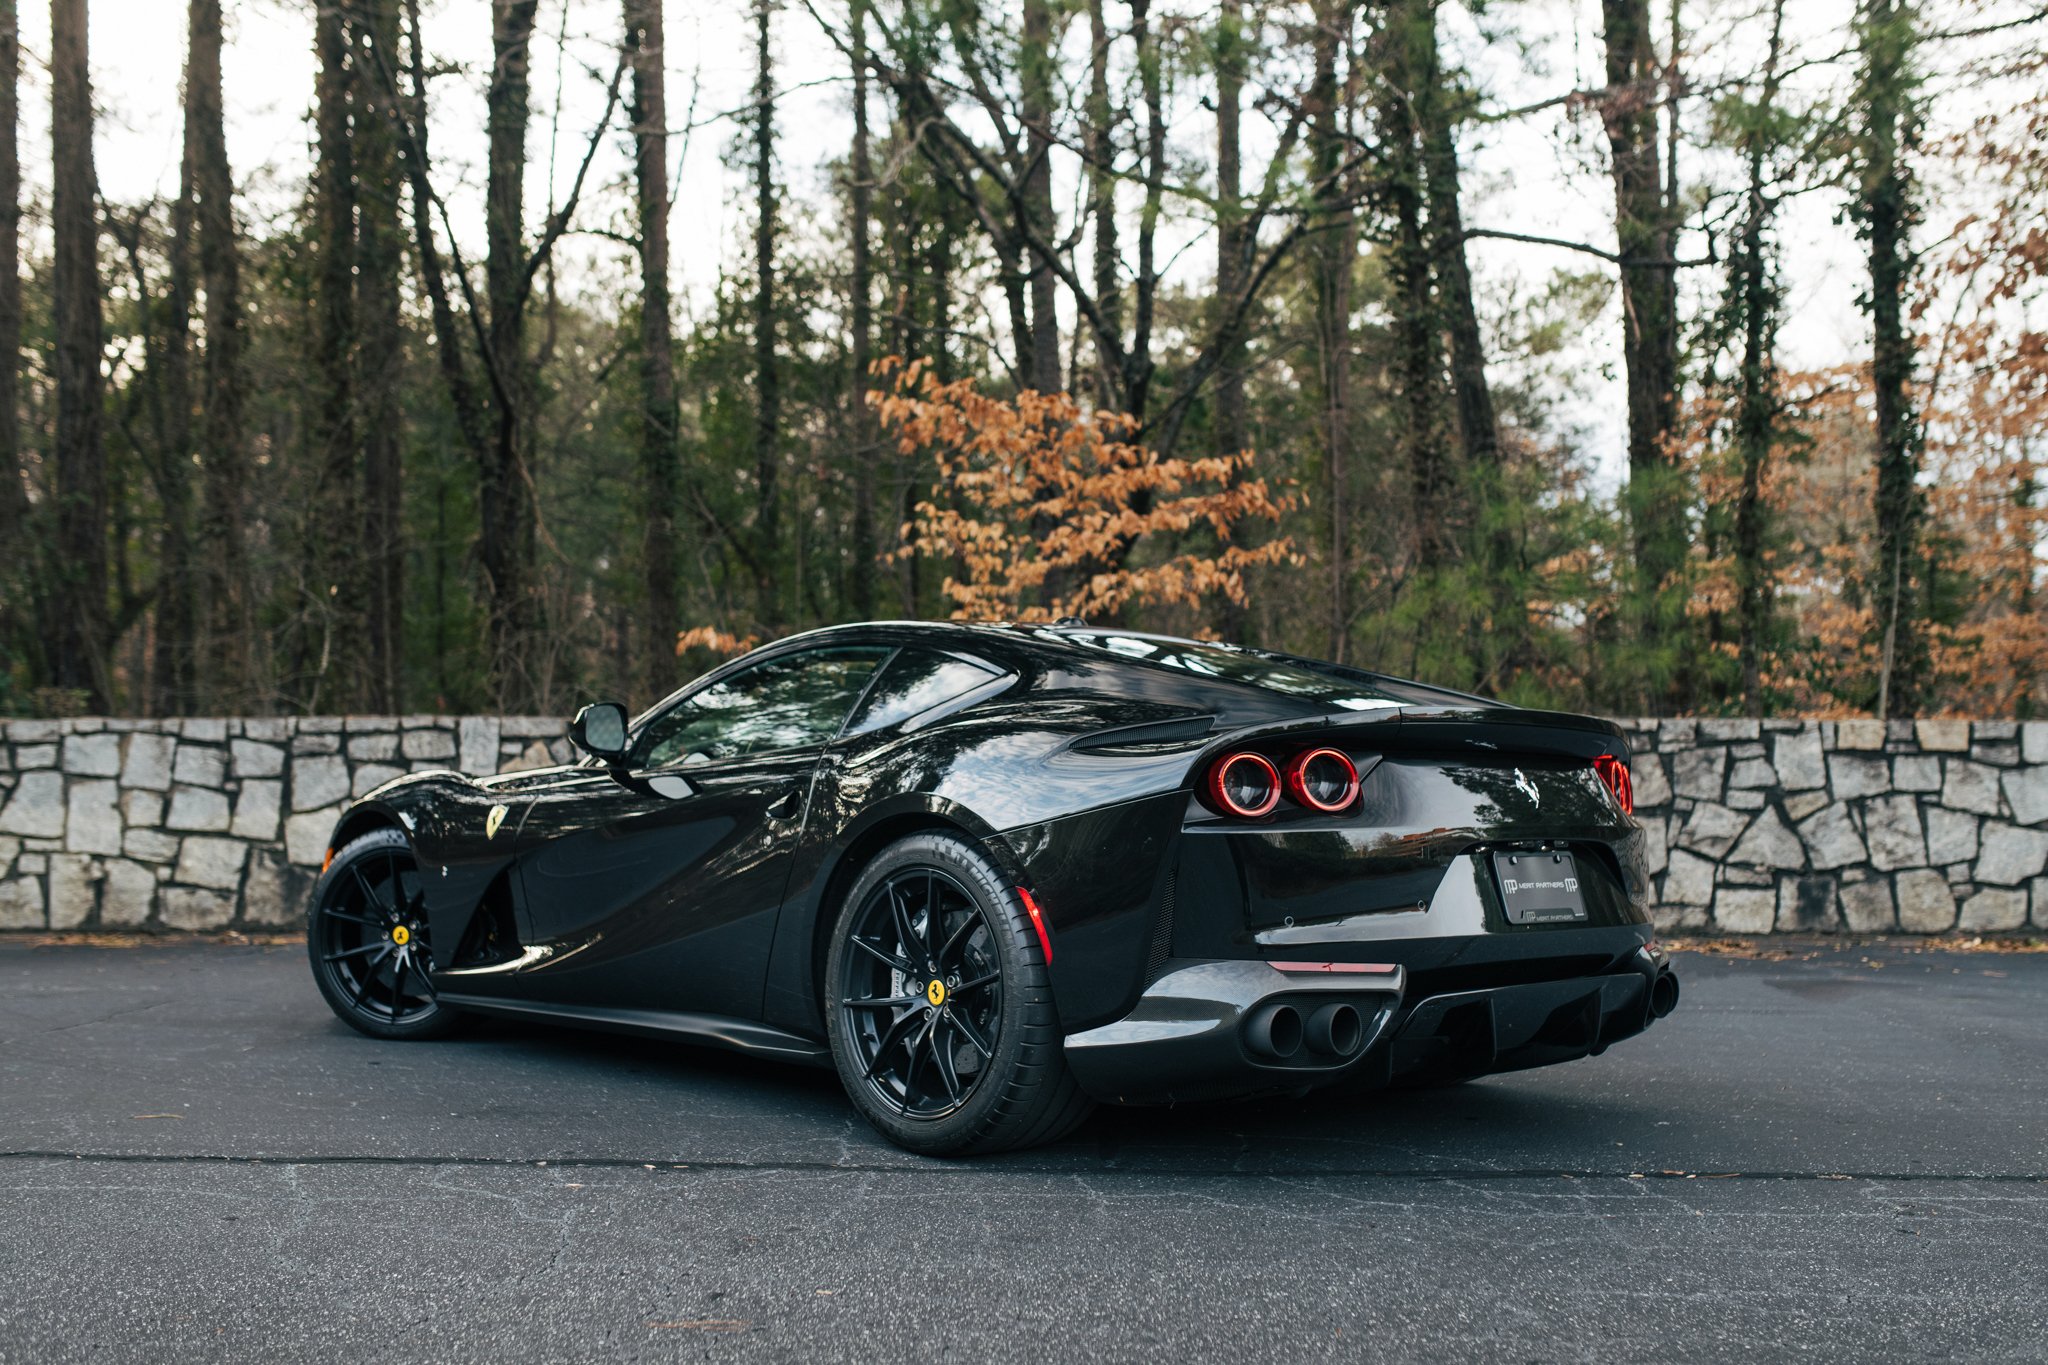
{"type": "Point", "coordinates": [1037, 921]}
{"type": "Point", "coordinates": [1376, 968]}
{"type": "Point", "coordinates": [328, 861]}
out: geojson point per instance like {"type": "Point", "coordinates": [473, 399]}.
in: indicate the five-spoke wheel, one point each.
{"type": "Point", "coordinates": [367, 935]}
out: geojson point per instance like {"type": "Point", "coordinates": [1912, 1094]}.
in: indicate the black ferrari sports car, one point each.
{"type": "Point", "coordinates": [995, 874]}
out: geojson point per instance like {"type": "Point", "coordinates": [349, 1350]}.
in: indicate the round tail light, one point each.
{"type": "Point", "coordinates": [1614, 775]}
{"type": "Point", "coordinates": [1244, 784]}
{"type": "Point", "coordinates": [1322, 779]}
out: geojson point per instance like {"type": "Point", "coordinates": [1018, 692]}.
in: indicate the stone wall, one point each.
{"type": "Point", "coordinates": [1754, 827]}
{"type": "Point", "coordinates": [208, 824]}
{"type": "Point", "coordinates": [1863, 825]}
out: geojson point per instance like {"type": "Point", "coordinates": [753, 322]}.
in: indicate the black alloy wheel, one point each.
{"type": "Point", "coordinates": [367, 936]}
{"type": "Point", "coordinates": [939, 1007]}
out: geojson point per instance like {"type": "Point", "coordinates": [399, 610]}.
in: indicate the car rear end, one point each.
{"type": "Point", "coordinates": [1413, 894]}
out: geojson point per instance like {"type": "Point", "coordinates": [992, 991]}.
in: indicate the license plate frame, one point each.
{"type": "Point", "coordinates": [1540, 887]}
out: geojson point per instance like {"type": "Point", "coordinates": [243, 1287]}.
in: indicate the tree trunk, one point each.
{"type": "Point", "coordinates": [180, 605]}
{"type": "Point", "coordinates": [230, 628]}
{"type": "Point", "coordinates": [328, 646]}
{"type": "Point", "coordinates": [1101, 151]}
{"type": "Point", "coordinates": [1886, 211]}
{"type": "Point", "coordinates": [1417, 365]}
{"type": "Point", "coordinates": [506, 551]}
{"type": "Point", "coordinates": [1232, 431]}
{"type": "Point", "coordinates": [1137, 372]}
{"type": "Point", "coordinates": [767, 372]}
{"type": "Point", "coordinates": [13, 495]}
{"type": "Point", "coordinates": [1644, 229]}
{"type": "Point", "coordinates": [860, 208]}
{"type": "Point", "coordinates": [1035, 71]}
{"type": "Point", "coordinates": [1756, 295]}
{"type": "Point", "coordinates": [660, 457]}
{"type": "Point", "coordinates": [1334, 248]}
{"type": "Point", "coordinates": [380, 368]}
{"type": "Point", "coordinates": [81, 635]}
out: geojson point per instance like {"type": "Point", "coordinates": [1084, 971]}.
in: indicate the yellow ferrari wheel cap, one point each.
{"type": "Point", "coordinates": [401, 935]}
{"type": "Point", "coordinates": [936, 992]}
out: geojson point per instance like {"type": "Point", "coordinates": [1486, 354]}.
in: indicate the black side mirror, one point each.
{"type": "Point", "coordinates": [600, 731]}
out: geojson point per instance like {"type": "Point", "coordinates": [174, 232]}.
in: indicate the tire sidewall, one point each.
{"type": "Point", "coordinates": [1027, 996]}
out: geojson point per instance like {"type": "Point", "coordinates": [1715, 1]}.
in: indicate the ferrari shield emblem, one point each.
{"type": "Point", "coordinates": [492, 821]}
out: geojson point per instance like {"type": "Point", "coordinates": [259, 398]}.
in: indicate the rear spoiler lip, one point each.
{"type": "Point", "coordinates": [1485, 729]}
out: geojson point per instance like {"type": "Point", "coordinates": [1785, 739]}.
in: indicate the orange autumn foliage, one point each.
{"type": "Point", "coordinates": [1047, 509]}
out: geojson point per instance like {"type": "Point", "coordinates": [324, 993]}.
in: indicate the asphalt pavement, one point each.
{"type": "Point", "coordinates": [1841, 1157]}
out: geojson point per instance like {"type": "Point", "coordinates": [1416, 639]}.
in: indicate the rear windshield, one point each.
{"type": "Point", "coordinates": [1238, 666]}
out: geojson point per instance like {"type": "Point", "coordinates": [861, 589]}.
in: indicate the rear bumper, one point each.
{"type": "Point", "coordinates": [1204, 1030]}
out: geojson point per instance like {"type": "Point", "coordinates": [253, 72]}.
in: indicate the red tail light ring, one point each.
{"type": "Point", "coordinates": [1244, 784]}
{"type": "Point", "coordinates": [1614, 773]}
{"type": "Point", "coordinates": [1322, 779]}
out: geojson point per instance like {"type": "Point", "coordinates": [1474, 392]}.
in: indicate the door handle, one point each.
{"type": "Point", "coordinates": [785, 805]}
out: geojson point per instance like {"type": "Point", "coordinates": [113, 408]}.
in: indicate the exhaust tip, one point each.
{"type": "Point", "coordinates": [1274, 1032]}
{"type": "Point", "coordinates": [1336, 1030]}
{"type": "Point", "coordinates": [1664, 993]}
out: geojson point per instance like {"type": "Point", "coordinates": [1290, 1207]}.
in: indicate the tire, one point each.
{"type": "Point", "coordinates": [978, 1066]}
{"type": "Point", "coordinates": [369, 948]}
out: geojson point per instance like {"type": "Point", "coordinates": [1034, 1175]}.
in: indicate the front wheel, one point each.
{"type": "Point", "coordinates": [939, 1008]}
{"type": "Point", "coordinates": [366, 933]}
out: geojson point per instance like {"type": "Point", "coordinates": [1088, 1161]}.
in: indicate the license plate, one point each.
{"type": "Point", "coordinates": [1539, 888]}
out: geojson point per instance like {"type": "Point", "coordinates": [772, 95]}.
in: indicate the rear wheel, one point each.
{"type": "Point", "coordinates": [367, 936]}
{"type": "Point", "coordinates": [939, 1008]}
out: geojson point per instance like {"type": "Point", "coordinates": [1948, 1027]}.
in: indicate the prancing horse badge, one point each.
{"type": "Point", "coordinates": [492, 821]}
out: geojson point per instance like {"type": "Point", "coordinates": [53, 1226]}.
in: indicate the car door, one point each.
{"type": "Point", "coordinates": [661, 891]}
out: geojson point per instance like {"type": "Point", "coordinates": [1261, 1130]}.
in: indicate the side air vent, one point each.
{"type": "Point", "coordinates": [1162, 929]}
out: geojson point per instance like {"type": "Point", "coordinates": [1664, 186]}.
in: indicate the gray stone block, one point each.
{"type": "Point", "coordinates": [535, 756]}
{"type": "Point", "coordinates": [1697, 773]}
{"type": "Point", "coordinates": [318, 782]}
{"type": "Point", "coordinates": [318, 725]}
{"type": "Point", "coordinates": [1740, 799]}
{"type": "Point", "coordinates": [187, 907]}
{"type": "Point", "coordinates": [1970, 786]}
{"type": "Point", "coordinates": [1831, 839]}
{"type": "Point", "coordinates": [373, 746]}
{"type": "Point", "coordinates": [74, 889]}
{"type": "Point", "coordinates": [1712, 829]}
{"type": "Point", "coordinates": [197, 809]}
{"type": "Point", "coordinates": [548, 727]}
{"type": "Point", "coordinates": [199, 767]}
{"type": "Point", "coordinates": [1986, 730]}
{"type": "Point", "coordinates": [212, 862]}
{"type": "Point", "coordinates": [1994, 911]}
{"type": "Point", "coordinates": [1689, 880]}
{"type": "Point", "coordinates": [428, 744]}
{"type": "Point", "coordinates": [147, 764]}
{"type": "Point", "coordinates": [371, 725]}
{"type": "Point", "coordinates": [1652, 787]}
{"type": "Point", "coordinates": [1727, 731]}
{"type": "Point", "coordinates": [1797, 757]}
{"type": "Point", "coordinates": [2009, 855]}
{"type": "Point", "coordinates": [1675, 919]}
{"type": "Point", "coordinates": [257, 809]}
{"type": "Point", "coordinates": [1855, 775]}
{"type": "Point", "coordinates": [1768, 843]}
{"type": "Point", "coordinates": [269, 729]}
{"type": "Point", "coordinates": [1867, 906]}
{"type": "Point", "coordinates": [252, 759]}
{"type": "Point", "coordinates": [150, 845]}
{"type": "Point", "coordinates": [1799, 805]}
{"type": "Point", "coordinates": [1753, 773]}
{"type": "Point", "coordinates": [1916, 773]}
{"type": "Point", "coordinates": [34, 731]}
{"type": "Point", "coordinates": [1808, 905]}
{"type": "Point", "coordinates": [1656, 852]}
{"type": "Point", "coordinates": [2037, 891]}
{"type": "Point", "coordinates": [143, 808]}
{"type": "Point", "coordinates": [1859, 734]}
{"type": "Point", "coordinates": [275, 892]}
{"type": "Point", "coordinates": [316, 744]}
{"type": "Point", "coordinates": [2034, 741]}
{"type": "Point", "coordinates": [1891, 825]}
{"type": "Point", "coordinates": [1745, 911]}
{"type": "Point", "coordinates": [1951, 836]}
{"type": "Point", "coordinates": [92, 822]}
{"type": "Point", "coordinates": [1999, 755]}
{"type": "Point", "coordinates": [1942, 736]}
{"type": "Point", "coordinates": [477, 745]}
{"type": "Point", "coordinates": [305, 836]}
{"type": "Point", "coordinates": [127, 895]}
{"type": "Point", "coordinates": [206, 731]}
{"type": "Point", "coordinates": [36, 808]}
{"type": "Point", "coordinates": [92, 755]}
{"type": "Point", "coordinates": [36, 756]}
{"type": "Point", "coordinates": [1926, 904]}
{"type": "Point", "coordinates": [2026, 791]}
{"type": "Point", "coordinates": [21, 903]}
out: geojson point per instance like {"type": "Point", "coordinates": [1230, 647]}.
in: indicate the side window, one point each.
{"type": "Point", "coordinates": [785, 703]}
{"type": "Point", "coordinates": [916, 681]}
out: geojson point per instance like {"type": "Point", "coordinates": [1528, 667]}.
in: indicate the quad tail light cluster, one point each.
{"type": "Point", "coordinates": [1248, 785]}
{"type": "Point", "coordinates": [1614, 775]}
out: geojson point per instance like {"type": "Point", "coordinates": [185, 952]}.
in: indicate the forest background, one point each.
{"type": "Point", "coordinates": [1643, 356]}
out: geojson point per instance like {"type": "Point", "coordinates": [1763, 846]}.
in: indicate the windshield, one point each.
{"type": "Point", "coordinates": [1235, 665]}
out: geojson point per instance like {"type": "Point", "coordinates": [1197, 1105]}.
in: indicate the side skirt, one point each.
{"type": "Point", "coordinates": [707, 1030]}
